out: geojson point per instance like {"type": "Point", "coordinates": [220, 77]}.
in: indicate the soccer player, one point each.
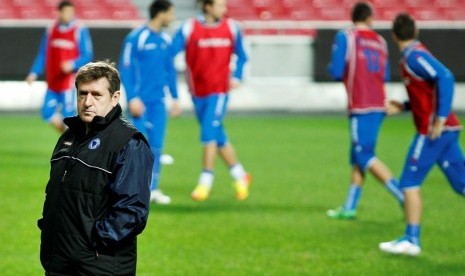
{"type": "Point", "coordinates": [65, 47]}
{"type": "Point", "coordinates": [209, 42]}
{"type": "Point", "coordinates": [430, 87]}
{"type": "Point", "coordinates": [146, 67]}
{"type": "Point", "coordinates": [360, 60]}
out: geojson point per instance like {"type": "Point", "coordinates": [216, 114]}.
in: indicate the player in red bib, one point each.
{"type": "Point", "coordinates": [209, 42]}
{"type": "Point", "coordinates": [360, 59]}
{"type": "Point", "coordinates": [430, 88]}
{"type": "Point", "coordinates": [65, 47]}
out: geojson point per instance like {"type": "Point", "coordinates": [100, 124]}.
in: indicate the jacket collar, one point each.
{"type": "Point", "coordinates": [98, 123]}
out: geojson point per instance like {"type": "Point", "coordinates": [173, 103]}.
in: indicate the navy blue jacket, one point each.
{"type": "Point", "coordinates": [97, 198]}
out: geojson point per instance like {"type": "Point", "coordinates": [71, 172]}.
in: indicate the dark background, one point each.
{"type": "Point", "coordinates": [19, 46]}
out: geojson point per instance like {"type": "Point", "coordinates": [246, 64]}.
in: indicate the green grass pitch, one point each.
{"type": "Point", "coordinates": [300, 169]}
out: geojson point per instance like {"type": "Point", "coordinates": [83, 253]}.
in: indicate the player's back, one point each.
{"type": "Point", "coordinates": [365, 73]}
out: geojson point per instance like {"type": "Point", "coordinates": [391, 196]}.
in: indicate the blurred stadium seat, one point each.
{"type": "Point", "coordinates": [261, 10]}
{"type": "Point", "coordinates": [85, 9]}
{"type": "Point", "coordinates": [340, 9]}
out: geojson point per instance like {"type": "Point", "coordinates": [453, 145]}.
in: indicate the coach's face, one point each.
{"type": "Point", "coordinates": [94, 99]}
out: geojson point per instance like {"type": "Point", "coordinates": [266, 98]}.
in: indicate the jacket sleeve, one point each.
{"type": "Point", "coordinates": [130, 196]}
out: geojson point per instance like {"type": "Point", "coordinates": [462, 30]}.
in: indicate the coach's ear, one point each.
{"type": "Point", "coordinates": [115, 98]}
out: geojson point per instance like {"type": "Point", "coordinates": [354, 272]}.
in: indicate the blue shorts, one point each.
{"type": "Point", "coordinates": [153, 123]}
{"type": "Point", "coordinates": [63, 102]}
{"type": "Point", "coordinates": [210, 113]}
{"type": "Point", "coordinates": [364, 130]}
{"type": "Point", "coordinates": [424, 153]}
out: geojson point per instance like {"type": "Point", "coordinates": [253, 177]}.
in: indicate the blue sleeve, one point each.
{"type": "Point", "coordinates": [172, 75]}
{"type": "Point", "coordinates": [337, 65]}
{"type": "Point", "coordinates": [128, 66]}
{"type": "Point", "coordinates": [130, 195]}
{"type": "Point", "coordinates": [38, 66]}
{"type": "Point", "coordinates": [85, 49]}
{"type": "Point", "coordinates": [240, 54]}
{"type": "Point", "coordinates": [179, 42]}
{"type": "Point", "coordinates": [429, 68]}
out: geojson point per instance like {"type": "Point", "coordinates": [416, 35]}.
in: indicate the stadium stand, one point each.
{"type": "Point", "coordinates": [243, 10]}
{"type": "Point", "coordinates": [85, 9]}
{"type": "Point", "coordinates": [340, 9]}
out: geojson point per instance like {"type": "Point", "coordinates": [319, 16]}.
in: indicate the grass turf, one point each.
{"type": "Point", "coordinates": [300, 169]}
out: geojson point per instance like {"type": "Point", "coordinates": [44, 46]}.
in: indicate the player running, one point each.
{"type": "Point", "coordinates": [430, 87]}
{"type": "Point", "coordinates": [360, 60]}
{"type": "Point", "coordinates": [146, 67]}
{"type": "Point", "coordinates": [64, 48]}
{"type": "Point", "coordinates": [209, 42]}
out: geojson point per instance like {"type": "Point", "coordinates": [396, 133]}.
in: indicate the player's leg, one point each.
{"type": "Point", "coordinates": [364, 130]}
{"type": "Point", "coordinates": [67, 101]}
{"type": "Point", "coordinates": [203, 111]}
{"type": "Point", "coordinates": [452, 163]}
{"type": "Point", "coordinates": [376, 167]}
{"type": "Point", "coordinates": [421, 157]}
{"type": "Point", "coordinates": [357, 176]}
{"type": "Point", "coordinates": [156, 118]}
{"type": "Point", "coordinates": [242, 179]}
{"type": "Point", "coordinates": [49, 110]}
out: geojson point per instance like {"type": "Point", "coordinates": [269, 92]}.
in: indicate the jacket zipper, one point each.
{"type": "Point", "coordinates": [63, 178]}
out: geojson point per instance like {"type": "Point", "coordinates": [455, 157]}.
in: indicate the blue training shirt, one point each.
{"type": "Point", "coordinates": [146, 65]}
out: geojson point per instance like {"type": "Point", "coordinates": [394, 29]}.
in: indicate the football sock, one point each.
{"type": "Point", "coordinates": [392, 186]}
{"type": "Point", "coordinates": [206, 178]}
{"type": "Point", "coordinates": [412, 233]}
{"type": "Point", "coordinates": [352, 197]}
{"type": "Point", "coordinates": [237, 171]}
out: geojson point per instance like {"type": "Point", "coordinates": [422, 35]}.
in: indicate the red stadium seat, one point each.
{"type": "Point", "coordinates": [8, 12]}
{"type": "Point", "coordinates": [331, 3]}
{"type": "Point", "coordinates": [388, 13]}
{"type": "Point", "coordinates": [449, 4]}
{"type": "Point", "coordinates": [295, 4]}
{"type": "Point", "coordinates": [242, 13]}
{"type": "Point", "coordinates": [129, 13]}
{"type": "Point", "coordinates": [419, 3]}
{"type": "Point", "coordinates": [22, 3]}
{"type": "Point", "coordinates": [427, 14]}
{"type": "Point", "coordinates": [93, 13]}
{"type": "Point", "coordinates": [51, 3]}
{"type": "Point", "coordinates": [455, 14]}
{"type": "Point", "coordinates": [117, 3]}
{"type": "Point", "coordinates": [308, 14]}
{"type": "Point", "coordinates": [340, 9]}
{"type": "Point", "coordinates": [388, 3]}
{"type": "Point", "coordinates": [35, 12]}
{"type": "Point", "coordinates": [335, 13]}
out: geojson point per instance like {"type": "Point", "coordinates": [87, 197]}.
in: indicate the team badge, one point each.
{"type": "Point", "coordinates": [94, 143]}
